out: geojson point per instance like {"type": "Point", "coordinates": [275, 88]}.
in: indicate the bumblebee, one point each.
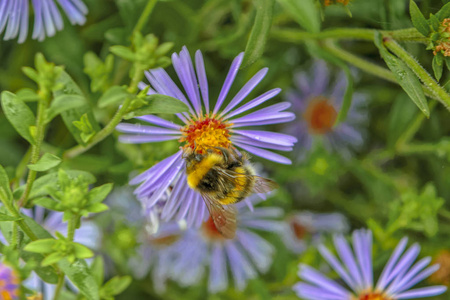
{"type": "Point", "coordinates": [223, 178]}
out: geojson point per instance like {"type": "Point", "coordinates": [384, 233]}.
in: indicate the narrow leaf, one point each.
{"type": "Point", "coordinates": [99, 193]}
{"type": "Point", "coordinates": [405, 77]}
{"type": "Point", "coordinates": [418, 19]}
{"type": "Point", "coordinates": [304, 12]}
{"type": "Point", "coordinates": [41, 246]}
{"type": "Point", "coordinates": [4, 184]}
{"type": "Point", "coordinates": [444, 12]}
{"type": "Point", "coordinates": [62, 103]}
{"type": "Point", "coordinates": [114, 95]}
{"type": "Point", "coordinates": [158, 104]}
{"type": "Point", "coordinates": [80, 275]}
{"type": "Point", "coordinates": [19, 115]}
{"type": "Point", "coordinates": [75, 114]}
{"type": "Point", "coordinates": [5, 217]}
{"type": "Point", "coordinates": [438, 65]}
{"type": "Point", "coordinates": [45, 163]}
{"type": "Point", "coordinates": [260, 31]}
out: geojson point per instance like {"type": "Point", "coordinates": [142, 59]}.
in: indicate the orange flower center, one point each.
{"type": "Point", "coordinates": [210, 231]}
{"type": "Point", "coordinates": [299, 230]}
{"type": "Point", "coordinates": [165, 241]}
{"type": "Point", "coordinates": [205, 133]}
{"type": "Point", "coordinates": [442, 276]}
{"type": "Point", "coordinates": [320, 115]}
{"type": "Point", "coordinates": [372, 296]}
{"type": "Point", "coordinates": [331, 2]}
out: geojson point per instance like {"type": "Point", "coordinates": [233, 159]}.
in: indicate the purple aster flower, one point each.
{"type": "Point", "coordinates": [159, 254]}
{"type": "Point", "coordinates": [9, 283]}
{"type": "Point", "coordinates": [245, 255]}
{"type": "Point", "coordinates": [317, 102]}
{"type": "Point", "coordinates": [304, 228]}
{"type": "Point", "coordinates": [204, 127]}
{"type": "Point", "coordinates": [394, 283]}
{"type": "Point", "coordinates": [14, 16]}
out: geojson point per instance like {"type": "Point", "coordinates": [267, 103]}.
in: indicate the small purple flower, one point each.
{"type": "Point", "coordinates": [160, 253]}
{"type": "Point", "coordinates": [356, 270]}
{"type": "Point", "coordinates": [316, 103]}
{"type": "Point", "coordinates": [204, 127]}
{"type": "Point", "coordinates": [304, 228]}
{"type": "Point", "coordinates": [9, 283]}
{"type": "Point", "coordinates": [245, 255]}
{"type": "Point", "coordinates": [14, 16]}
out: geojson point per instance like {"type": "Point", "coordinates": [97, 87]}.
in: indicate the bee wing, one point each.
{"type": "Point", "coordinates": [224, 217]}
{"type": "Point", "coordinates": [263, 185]}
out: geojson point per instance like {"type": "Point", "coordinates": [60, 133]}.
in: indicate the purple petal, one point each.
{"type": "Point", "coordinates": [240, 267]}
{"type": "Point", "coordinates": [158, 168]}
{"type": "Point", "coordinates": [159, 121]}
{"type": "Point", "coordinates": [422, 292]}
{"type": "Point", "coordinates": [309, 274]}
{"type": "Point", "coordinates": [248, 141]}
{"type": "Point", "coordinates": [383, 280]}
{"type": "Point", "coordinates": [143, 129]}
{"type": "Point", "coordinates": [218, 277]}
{"type": "Point", "coordinates": [268, 137]}
{"type": "Point", "coordinates": [138, 139]}
{"type": "Point", "coordinates": [228, 81]}
{"type": "Point", "coordinates": [266, 154]}
{"type": "Point", "coordinates": [202, 79]}
{"type": "Point", "coordinates": [310, 292]}
{"type": "Point", "coordinates": [336, 265]}
{"type": "Point", "coordinates": [255, 102]}
{"type": "Point", "coordinates": [245, 90]}
{"type": "Point", "coordinates": [347, 257]}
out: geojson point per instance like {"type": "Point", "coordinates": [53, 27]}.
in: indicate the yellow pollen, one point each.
{"type": "Point", "coordinates": [206, 133]}
{"type": "Point", "coordinates": [372, 296]}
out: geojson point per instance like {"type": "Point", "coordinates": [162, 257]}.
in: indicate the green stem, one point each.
{"type": "Point", "coordinates": [14, 236]}
{"type": "Point", "coordinates": [36, 148]}
{"type": "Point", "coordinates": [358, 62]}
{"type": "Point", "coordinates": [440, 94]}
{"type": "Point", "coordinates": [59, 287]}
{"type": "Point", "coordinates": [71, 226]}
{"type": "Point", "coordinates": [408, 134]}
{"type": "Point", "coordinates": [21, 168]}
{"type": "Point", "coordinates": [365, 65]}
{"type": "Point", "coordinates": [109, 128]}
{"type": "Point", "coordinates": [145, 14]}
{"type": "Point", "coordinates": [290, 35]}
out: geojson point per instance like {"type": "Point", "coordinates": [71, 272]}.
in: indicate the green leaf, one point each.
{"type": "Point", "coordinates": [47, 203]}
{"type": "Point", "coordinates": [82, 251]}
{"type": "Point", "coordinates": [4, 184]}
{"type": "Point", "coordinates": [45, 163]}
{"type": "Point", "coordinates": [27, 95]}
{"type": "Point", "coordinates": [97, 208]}
{"type": "Point", "coordinates": [444, 12]}
{"type": "Point", "coordinates": [260, 31]}
{"type": "Point", "coordinates": [79, 274]}
{"type": "Point", "coordinates": [123, 52]}
{"type": "Point", "coordinates": [41, 185]}
{"type": "Point", "coordinates": [52, 258]}
{"type": "Point", "coordinates": [434, 22]}
{"type": "Point", "coordinates": [5, 217]}
{"type": "Point", "coordinates": [438, 65]}
{"type": "Point", "coordinates": [114, 95]}
{"type": "Point", "coordinates": [418, 19]}
{"type": "Point", "coordinates": [402, 114]}
{"type": "Point", "coordinates": [98, 269]}
{"type": "Point", "coordinates": [158, 104]}
{"type": "Point", "coordinates": [85, 128]}
{"type": "Point", "coordinates": [75, 114]}
{"type": "Point", "coordinates": [405, 77]}
{"type": "Point", "coordinates": [19, 115]}
{"type": "Point", "coordinates": [63, 103]}
{"type": "Point", "coordinates": [41, 246]}
{"type": "Point", "coordinates": [99, 193]}
{"type": "Point", "coordinates": [116, 285]}
{"type": "Point", "coordinates": [304, 12]}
